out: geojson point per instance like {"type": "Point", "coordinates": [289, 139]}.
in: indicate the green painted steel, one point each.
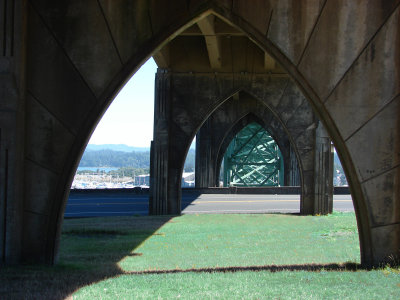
{"type": "Point", "coordinates": [253, 158]}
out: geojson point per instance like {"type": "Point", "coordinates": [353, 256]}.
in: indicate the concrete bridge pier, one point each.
{"type": "Point", "coordinates": [208, 145]}
{"type": "Point", "coordinates": [323, 171]}
{"type": "Point", "coordinates": [206, 173]}
{"type": "Point", "coordinates": [12, 130]}
{"type": "Point", "coordinates": [162, 185]}
{"type": "Point", "coordinates": [217, 120]}
{"type": "Point", "coordinates": [216, 134]}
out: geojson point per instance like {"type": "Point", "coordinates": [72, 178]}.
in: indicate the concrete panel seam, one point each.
{"type": "Point", "coordinates": [8, 110]}
{"type": "Point", "coordinates": [380, 174]}
{"type": "Point", "coordinates": [52, 114]}
{"type": "Point", "coordinates": [280, 99]}
{"type": "Point", "coordinates": [5, 208]}
{"type": "Point", "coordinates": [35, 213]}
{"type": "Point", "coordinates": [269, 22]}
{"type": "Point", "coordinates": [385, 225]}
{"type": "Point", "coordinates": [223, 73]}
{"type": "Point", "coordinates": [150, 22]}
{"type": "Point", "coordinates": [294, 114]}
{"type": "Point", "coordinates": [62, 49]}
{"type": "Point", "coordinates": [372, 117]}
{"type": "Point", "coordinates": [311, 34]}
{"type": "Point", "coordinates": [41, 165]}
{"type": "Point", "coordinates": [8, 29]}
{"type": "Point", "coordinates": [395, 10]}
{"type": "Point", "coordinates": [109, 31]}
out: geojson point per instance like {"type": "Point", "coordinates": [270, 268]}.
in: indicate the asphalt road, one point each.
{"type": "Point", "coordinates": [106, 204]}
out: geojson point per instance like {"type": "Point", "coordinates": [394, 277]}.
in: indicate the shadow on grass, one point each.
{"type": "Point", "coordinates": [89, 252]}
{"type": "Point", "coordinates": [91, 249]}
{"type": "Point", "coordinates": [353, 267]}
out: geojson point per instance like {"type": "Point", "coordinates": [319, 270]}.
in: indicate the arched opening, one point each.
{"type": "Point", "coordinates": [253, 159]}
{"type": "Point", "coordinates": [119, 147]}
{"type": "Point", "coordinates": [339, 176]}
{"type": "Point", "coordinates": [189, 167]}
{"type": "Point", "coordinates": [186, 120]}
{"type": "Point", "coordinates": [292, 175]}
{"type": "Point", "coordinates": [251, 29]}
{"type": "Point", "coordinates": [117, 157]}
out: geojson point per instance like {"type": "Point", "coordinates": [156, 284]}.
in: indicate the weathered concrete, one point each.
{"type": "Point", "coordinates": [12, 133]}
{"type": "Point", "coordinates": [323, 170]}
{"type": "Point", "coordinates": [236, 113]}
{"type": "Point", "coordinates": [343, 56]}
{"type": "Point", "coordinates": [213, 95]}
{"type": "Point", "coordinates": [224, 124]}
{"type": "Point", "coordinates": [221, 117]}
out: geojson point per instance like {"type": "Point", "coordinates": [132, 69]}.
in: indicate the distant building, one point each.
{"type": "Point", "coordinates": [142, 180]}
{"type": "Point", "coordinates": [188, 179]}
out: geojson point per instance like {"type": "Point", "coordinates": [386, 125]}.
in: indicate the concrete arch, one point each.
{"type": "Point", "coordinates": [280, 102]}
{"type": "Point", "coordinates": [242, 117]}
{"type": "Point", "coordinates": [238, 126]}
{"type": "Point", "coordinates": [314, 94]}
{"type": "Point", "coordinates": [46, 122]}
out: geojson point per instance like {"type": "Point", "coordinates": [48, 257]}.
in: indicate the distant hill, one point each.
{"type": "Point", "coordinates": [118, 159]}
{"type": "Point", "coordinates": [116, 147]}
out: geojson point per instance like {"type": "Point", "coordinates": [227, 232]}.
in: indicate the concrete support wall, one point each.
{"type": "Point", "coordinates": [222, 126]}
{"type": "Point", "coordinates": [343, 55]}
{"type": "Point", "coordinates": [196, 103]}
{"type": "Point", "coordinates": [12, 106]}
{"type": "Point", "coordinates": [160, 145]}
{"type": "Point", "coordinates": [323, 177]}
{"type": "Point", "coordinates": [205, 169]}
{"type": "Point", "coordinates": [215, 135]}
{"type": "Point", "coordinates": [294, 172]}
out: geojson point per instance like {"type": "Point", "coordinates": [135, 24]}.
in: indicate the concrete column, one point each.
{"type": "Point", "coordinates": [323, 203]}
{"type": "Point", "coordinates": [158, 203]}
{"type": "Point", "coordinates": [12, 95]}
{"type": "Point", "coordinates": [292, 175]}
{"type": "Point", "coordinates": [205, 164]}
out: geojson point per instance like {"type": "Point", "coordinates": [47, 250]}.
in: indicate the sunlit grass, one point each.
{"type": "Point", "coordinates": [248, 285]}
{"type": "Point", "coordinates": [205, 256]}
{"type": "Point", "coordinates": [201, 241]}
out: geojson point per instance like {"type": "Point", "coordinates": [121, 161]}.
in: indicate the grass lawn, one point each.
{"type": "Point", "coordinates": [252, 256]}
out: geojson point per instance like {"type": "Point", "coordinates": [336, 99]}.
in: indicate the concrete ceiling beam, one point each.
{"type": "Point", "coordinates": [213, 43]}
{"type": "Point", "coordinates": [162, 57]}
{"type": "Point", "coordinates": [269, 62]}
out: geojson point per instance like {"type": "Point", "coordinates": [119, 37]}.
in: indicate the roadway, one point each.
{"type": "Point", "coordinates": [110, 204]}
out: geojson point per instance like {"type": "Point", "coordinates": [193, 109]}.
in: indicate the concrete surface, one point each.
{"type": "Point", "coordinates": [62, 62]}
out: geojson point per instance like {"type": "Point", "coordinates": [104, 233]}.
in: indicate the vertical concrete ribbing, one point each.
{"type": "Point", "coordinates": [204, 165]}
{"type": "Point", "coordinates": [323, 172]}
{"type": "Point", "coordinates": [160, 145]}
{"type": "Point", "coordinates": [3, 205]}
{"type": "Point", "coordinates": [294, 170]}
{"type": "Point", "coordinates": [7, 12]}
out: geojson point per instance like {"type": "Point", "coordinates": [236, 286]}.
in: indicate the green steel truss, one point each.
{"type": "Point", "coordinates": [253, 159]}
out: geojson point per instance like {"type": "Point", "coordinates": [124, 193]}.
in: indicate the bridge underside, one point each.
{"type": "Point", "coordinates": [62, 62]}
{"type": "Point", "coordinates": [220, 115]}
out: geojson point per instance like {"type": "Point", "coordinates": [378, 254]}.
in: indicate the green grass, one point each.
{"type": "Point", "coordinates": [255, 256]}
{"type": "Point", "coordinates": [248, 285]}
{"type": "Point", "coordinates": [201, 241]}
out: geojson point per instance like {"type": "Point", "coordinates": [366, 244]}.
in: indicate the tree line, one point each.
{"type": "Point", "coordinates": [120, 159]}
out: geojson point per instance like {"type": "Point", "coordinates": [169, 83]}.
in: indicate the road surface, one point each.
{"type": "Point", "coordinates": [109, 204]}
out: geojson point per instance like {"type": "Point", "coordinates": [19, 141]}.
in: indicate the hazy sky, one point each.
{"type": "Point", "coordinates": [129, 119]}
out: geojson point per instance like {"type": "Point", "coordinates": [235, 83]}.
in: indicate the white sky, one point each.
{"type": "Point", "coordinates": [129, 119]}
